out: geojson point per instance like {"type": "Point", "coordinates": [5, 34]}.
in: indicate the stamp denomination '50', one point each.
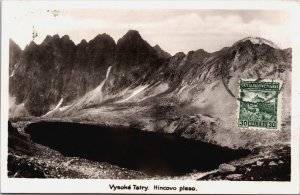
{"type": "Point", "coordinates": [259, 104]}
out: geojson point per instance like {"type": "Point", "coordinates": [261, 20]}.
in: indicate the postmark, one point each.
{"type": "Point", "coordinates": [259, 105]}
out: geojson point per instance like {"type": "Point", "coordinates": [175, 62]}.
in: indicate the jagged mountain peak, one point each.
{"type": "Point", "coordinates": [160, 52]}
{"type": "Point", "coordinates": [198, 52]}
{"type": "Point", "coordinates": [156, 46]}
{"type": "Point", "coordinates": [257, 40]}
{"type": "Point", "coordinates": [132, 34]}
{"type": "Point", "coordinates": [182, 54]}
{"type": "Point", "coordinates": [65, 37]}
{"type": "Point", "coordinates": [12, 42]}
{"type": "Point", "coordinates": [102, 43]}
{"type": "Point", "coordinates": [47, 38]}
{"type": "Point", "coordinates": [131, 37]}
{"type": "Point", "coordinates": [201, 51]}
{"type": "Point", "coordinates": [256, 48]}
{"type": "Point", "coordinates": [134, 48]}
{"type": "Point", "coordinates": [14, 55]}
{"type": "Point", "coordinates": [50, 38]}
{"type": "Point", "coordinates": [31, 44]}
{"type": "Point", "coordinates": [102, 37]}
{"type": "Point", "coordinates": [13, 45]}
{"type": "Point", "coordinates": [56, 36]}
{"type": "Point", "coordinates": [83, 42]}
{"type": "Point", "coordinates": [56, 39]}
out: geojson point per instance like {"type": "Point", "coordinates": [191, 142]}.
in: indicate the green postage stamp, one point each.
{"type": "Point", "coordinates": [259, 104]}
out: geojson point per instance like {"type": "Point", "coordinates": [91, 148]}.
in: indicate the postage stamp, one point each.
{"type": "Point", "coordinates": [259, 106]}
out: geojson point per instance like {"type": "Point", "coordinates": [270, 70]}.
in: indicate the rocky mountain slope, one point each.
{"type": "Point", "coordinates": [14, 56]}
{"type": "Point", "coordinates": [57, 68]}
{"type": "Point", "coordinates": [130, 82]}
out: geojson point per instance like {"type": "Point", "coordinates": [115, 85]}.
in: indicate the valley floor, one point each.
{"type": "Point", "coordinates": [265, 163]}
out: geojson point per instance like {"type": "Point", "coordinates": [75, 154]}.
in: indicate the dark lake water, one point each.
{"type": "Point", "coordinates": [152, 153]}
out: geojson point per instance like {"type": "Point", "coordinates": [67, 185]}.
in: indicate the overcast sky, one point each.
{"type": "Point", "coordinates": [173, 30]}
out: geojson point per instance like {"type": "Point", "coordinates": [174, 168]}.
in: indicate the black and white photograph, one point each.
{"type": "Point", "coordinates": [176, 96]}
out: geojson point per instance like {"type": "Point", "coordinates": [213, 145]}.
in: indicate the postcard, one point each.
{"type": "Point", "coordinates": [150, 97]}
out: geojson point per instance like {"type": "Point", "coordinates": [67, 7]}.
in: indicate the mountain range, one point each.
{"type": "Point", "coordinates": [58, 79]}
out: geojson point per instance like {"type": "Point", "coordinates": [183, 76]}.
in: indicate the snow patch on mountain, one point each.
{"type": "Point", "coordinates": [135, 92]}
{"type": "Point", "coordinates": [93, 97]}
{"type": "Point", "coordinates": [61, 109]}
{"type": "Point", "coordinates": [55, 109]}
{"type": "Point", "coordinates": [96, 94]}
{"type": "Point", "coordinates": [108, 71]}
{"type": "Point", "coordinates": [155, 90]}
{"type": "Point", "coordinates": [260, 41]}
{"type": "Point", "coordinates": [12, 74]}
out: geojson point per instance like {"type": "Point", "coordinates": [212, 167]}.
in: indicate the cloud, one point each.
{"type": "Point", "coordinates": [173, 30]}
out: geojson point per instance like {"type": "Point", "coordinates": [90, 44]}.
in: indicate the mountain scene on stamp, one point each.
{"type": "Point", "coordinates": [134, 91]}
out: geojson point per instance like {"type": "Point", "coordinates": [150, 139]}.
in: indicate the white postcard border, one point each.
{"type": "Point", "coordinates": [20, 185]}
